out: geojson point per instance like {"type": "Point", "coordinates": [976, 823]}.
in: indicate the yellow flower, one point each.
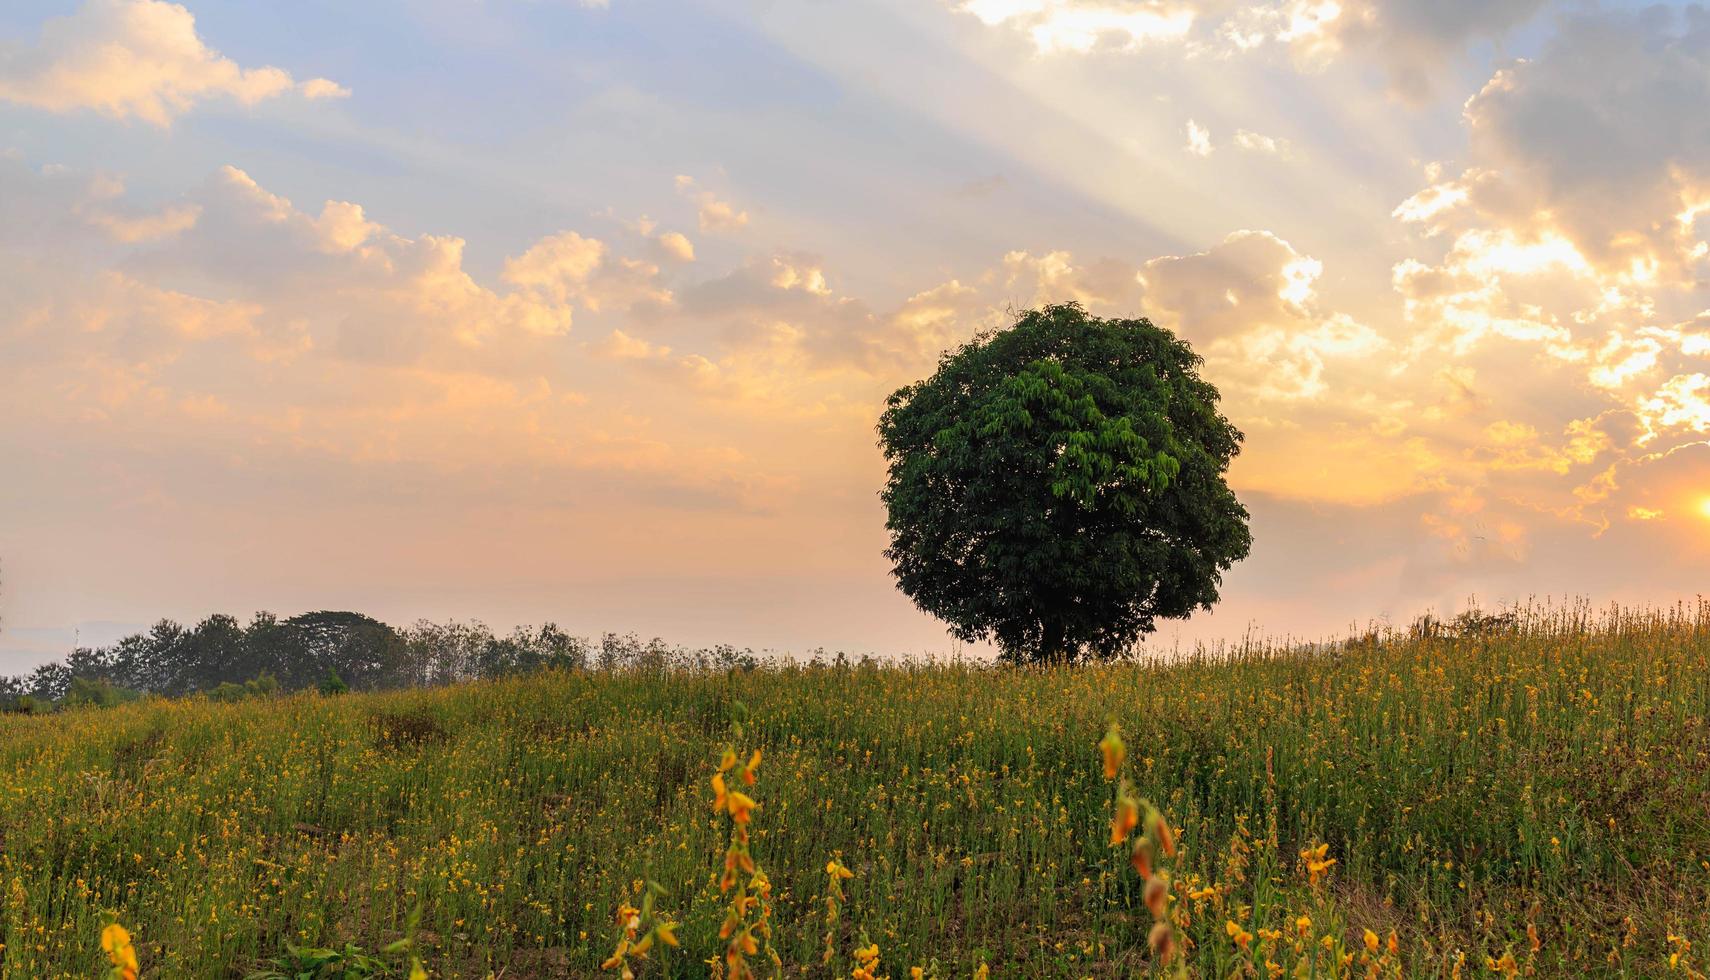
{"type": "Point", "coordinates": [867, 958]}
{"type": "Point", "coordinates": [1114, 752]}
{"type": "Point", "coordinates": [1156, 896]}
{"type": "Point", "coordinates": [1166, 837]}
{"type": "Point", "coordinates": [1142, 857]}
{"type": "Point", "coordinates": [741, 806]}
{"type": "Point", "coordinates": [1371, 941]}
{"type": "Point", "coordinates": [1316, 861]}
{"type": "Point", "coordinates": [667, 933]}
{"type": "Point", "coordinates": [748, 770]}
{"type": "Point", "coordinates": [1303, 925]}
{"type": "Point", "coordinates": [1162, 940]}
{"type": "Point", "coordinates": [1127, 817]}
{"type": "Point", "coordinates": [116, 941]}
{"type": "Point", "coordinates": [617, 955]}
{"type": "Point", "coordinates": [1238, 935]}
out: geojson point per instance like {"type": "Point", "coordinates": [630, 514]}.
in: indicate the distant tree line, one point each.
{"type": "Point", "coordinates": [331, 651]}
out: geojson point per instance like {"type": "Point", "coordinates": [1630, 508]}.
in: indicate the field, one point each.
{"type": "Point", "coordinates": [1525, 798]}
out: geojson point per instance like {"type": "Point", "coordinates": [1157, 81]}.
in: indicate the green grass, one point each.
{"type": "Point", "coordinates": [1557, 776]}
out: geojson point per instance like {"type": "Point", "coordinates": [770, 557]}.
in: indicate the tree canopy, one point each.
{"type": "Point", "coordinates": [1058, 486]}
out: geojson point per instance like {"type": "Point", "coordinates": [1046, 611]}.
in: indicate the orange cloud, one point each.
{"type": "Point", "coordinates": [137, 58]}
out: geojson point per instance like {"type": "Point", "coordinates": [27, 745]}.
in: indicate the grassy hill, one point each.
{"type": "Point", "coordinates": [1531, 796]}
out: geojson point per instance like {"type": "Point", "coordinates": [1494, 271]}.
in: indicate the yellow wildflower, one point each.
{"type": "Point", "coordinates": [1127, 817]}
{"type": "Point", "coordinates": [1156, 895]}
{"type": "Point", "coordinates": [741, 806]}
{"type": "Point", "coordinates": [1239, 936]}
{"type": "Point", "coordinates": [116, 941]}
{"type": "Point", "coordinates": [1114, 752]}
{"type": "Point", "coordinates": [1162, 941]}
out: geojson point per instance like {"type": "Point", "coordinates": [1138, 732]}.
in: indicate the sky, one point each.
{"type": "Point", "coordinates": [530, 310]}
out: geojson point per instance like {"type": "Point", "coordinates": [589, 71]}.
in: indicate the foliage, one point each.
{"type": "Point", "coordinates": [1059, 486]}
{"type": "Point", "coordinates": [261, 686]}
{"type": "Point", "coordinates": [332, 683]}
{"type": "Point", "coordinates": [318, 963]}
{"type": "Point", "coordinates": [96, 693]}
{"type": "Point", "coordinates": [1535, 798]}
{"type": "Point", "coordinates": [228, 662]}
{"type": "Point", "coordinates": [747, 927]}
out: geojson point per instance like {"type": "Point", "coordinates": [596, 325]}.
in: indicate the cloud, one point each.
{"type": "Point", "coordinates": [1413, 41]}
{"type": "Point", "coordinates": [1198, 139]}
{"type": "Point", "coordinates": [1253, 142]}
{"type": "Point", "coordinates": [1105, 284]}
{"type": "Point", "coordinates": [1251, 305]}
{"type": "Point", "coordinates": [323, 88]}
{"type": "Point", "coordinates": [677, 246]}
{"type": "Point", "coordinates": [354, 289]}
{"type": "Point", "coordinates": [123, 227]}
{"type": "Point", "coordinates": [136, 58]}
{"type": "Point", "coordinates": [557, 266]}
{"type": "Point", "coordinates": [716, 215]}
{"type": "Point", "coordinates": [1570, 247]}
{"type": "Point", "coordinates": [1251, 278]}
{"type": "Point", "coordinates": [327, 339]}
{"type": "Point", "coordinates": [621, 346]}
{"type": "Point", "coordinates": [1083, 25]}
{"type": "Point", "coordinates": [1620, 170]}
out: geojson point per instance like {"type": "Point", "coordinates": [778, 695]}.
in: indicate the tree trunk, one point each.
{"type": "Point", "coordinates": [1051, 643]}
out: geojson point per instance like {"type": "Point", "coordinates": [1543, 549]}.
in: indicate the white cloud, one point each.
{"type": "Point", "coordinates": [1082, 25]}
{"type": "Point", "coordinates": [136, 58]}
{"type": "Point", "coordinates": [1412, 40]}
{"type": "Point", "coordinates": [1198, 139]}
{"type": "Point", "coordinates": [1253, 142]}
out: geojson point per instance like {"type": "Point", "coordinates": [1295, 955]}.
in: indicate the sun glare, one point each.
{"type": "Point", "coordinates": [1704, 507]}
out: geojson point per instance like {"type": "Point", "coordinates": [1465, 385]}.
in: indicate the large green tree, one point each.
{"type": "Point", "coordinates": [1058, 486]}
